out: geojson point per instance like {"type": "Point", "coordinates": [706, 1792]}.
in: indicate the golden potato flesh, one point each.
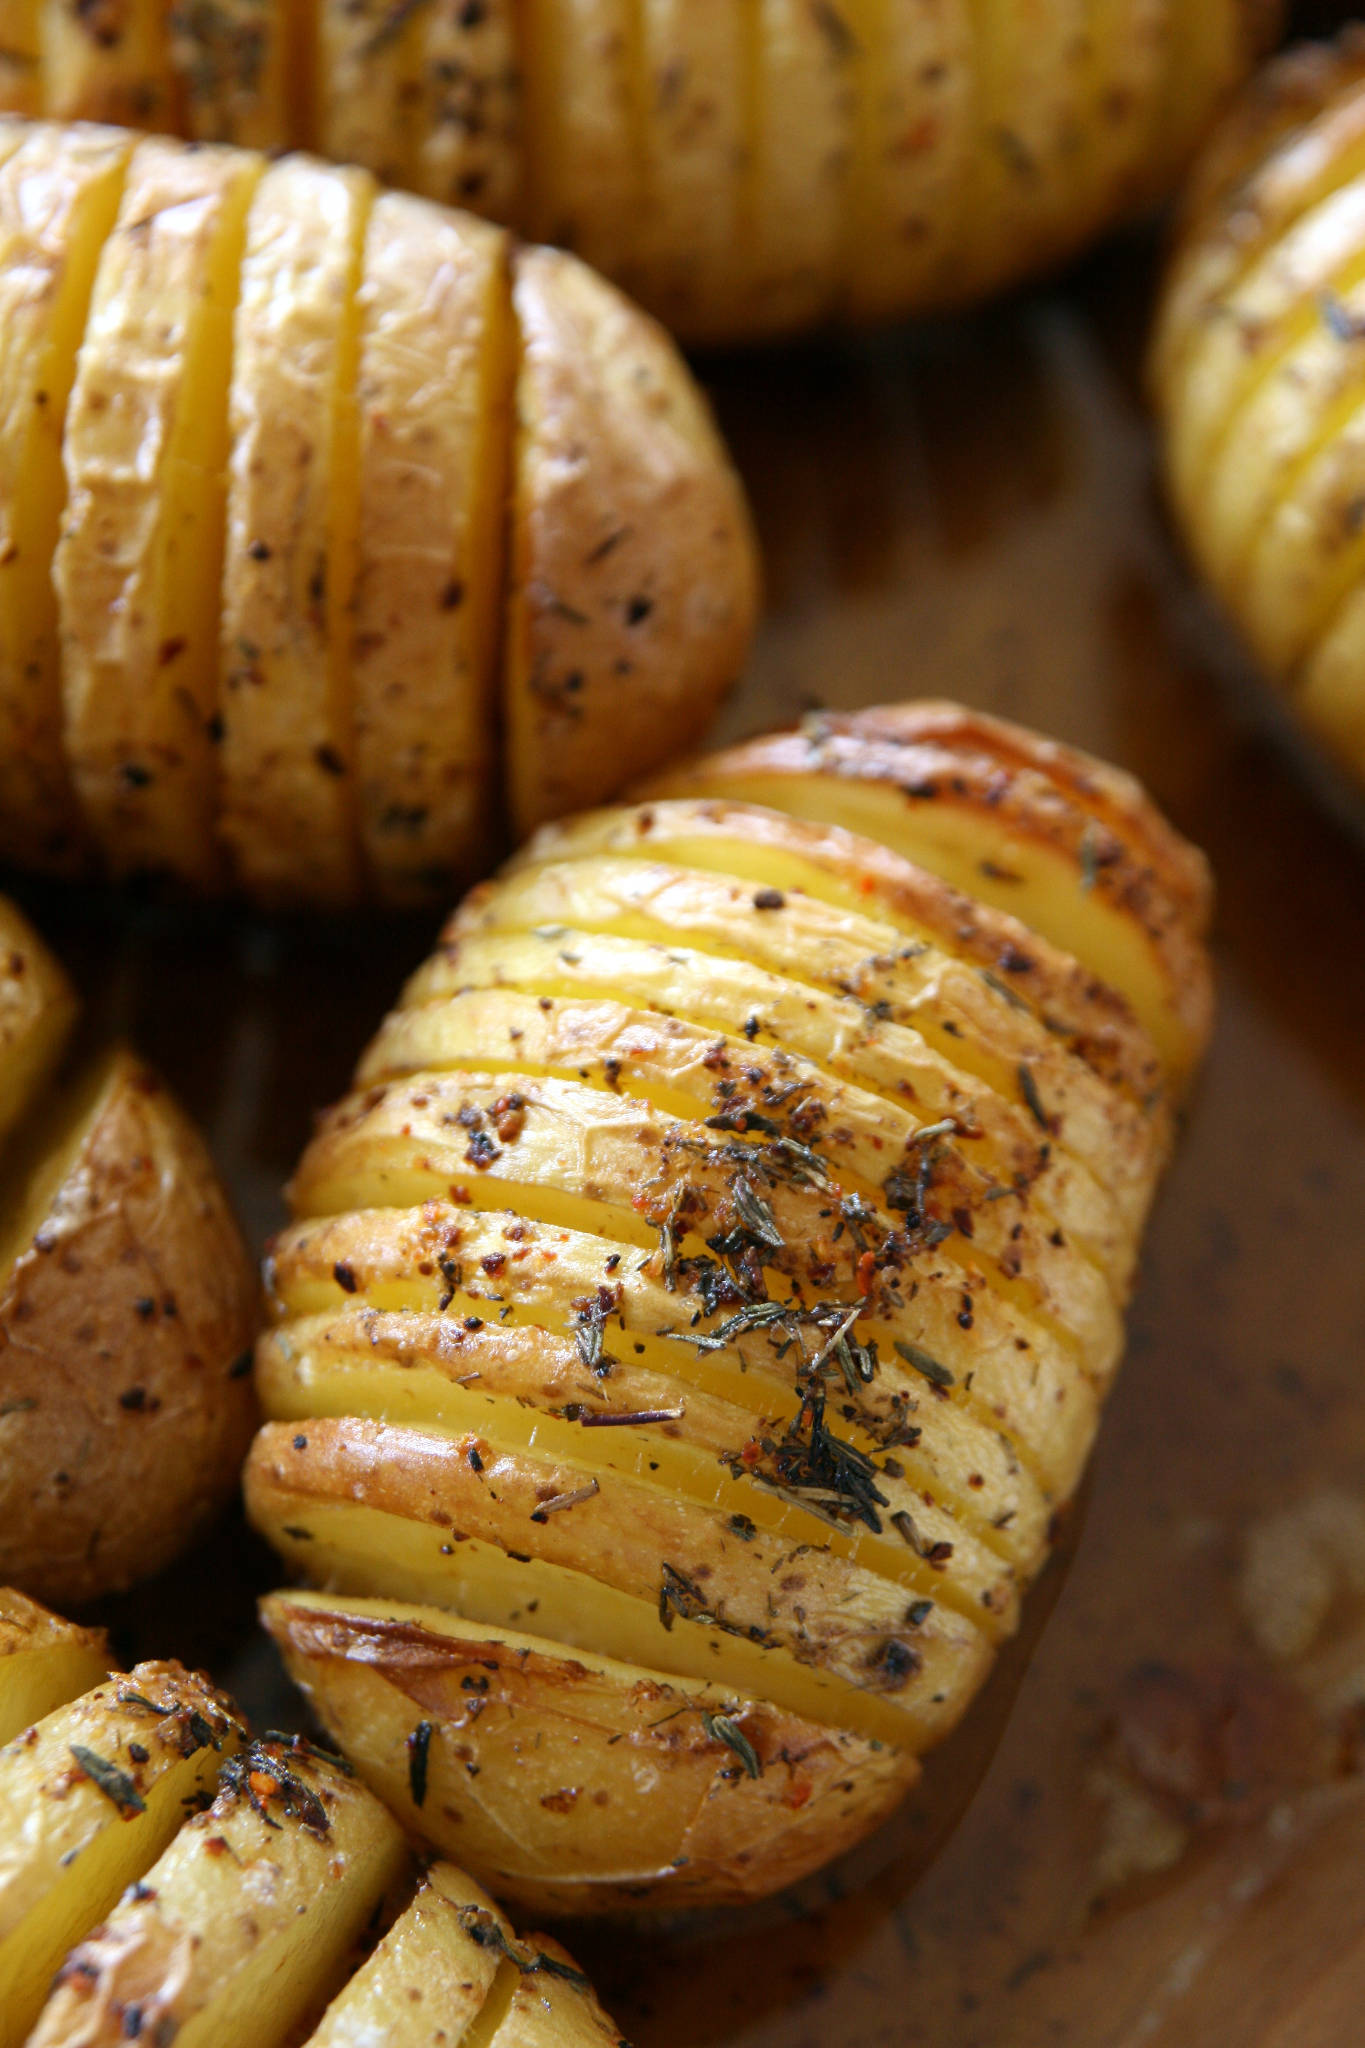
{"type": "Point", "coordinates": [1259, 380]}
{"type": "Point", "coordinates": [697, 1314]}
{"type": "Point", "coordinates": [266, 619]}
{"type": "Point", "coordinates": [44, 1662]}
{"type": "Point", "coordinates": [743, 170]}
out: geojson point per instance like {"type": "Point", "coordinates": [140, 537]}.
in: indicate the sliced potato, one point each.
{"type": "Point", "coordinates": [1069, 846]}
{"type": "Point", "coordinates": [582, 150]}
{"type": "Point", "coordinates": [430, 1976]}
{"type": "Point", "coordinates": [37, 1012]}
{"type": "Point", "coordinates": [1258, 373]}
{"type": "Point", "coordinates": [137, 568]}
{"type": "Point", "coordinates": [126, 1309]}
{"type": "Point", "coordinates": [553, 2005]}
{"type": "Point", "coordinates": [89, 1798]}
{"type": "Point", "coordinates": [607, 632]}
{"type": "Point", "coordinates": [59, 194]}
{"type": "Point", "coordinates": [647, 1786]}
{"type": "Point", "coordinates": [243, 1927]}
{"type": "Point", "coordinates": [368, 63]}
{"type": "Point", "coordinates": [288, 813]}
{"type": "Point", "coordinates": [467, 120]}
{"type": "Point", "coordinates": [679, 1310]}
{"type": "Point", "coordinates": [44, 1662]}
{"type": "Point", "coordinates": [437, 361]}
{"type": "Point", "coordinates": [794, 204]}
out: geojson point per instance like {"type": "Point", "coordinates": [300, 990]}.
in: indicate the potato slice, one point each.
{"type": "Point", "coordinates": [367, 64]}
{"type": "Point", "coordinates": [430, 1976]}
{"type": "Point", "coordinates": [437, 360]}
{"type": "Point", "coordinates": [742, 1797]}
{"type": "Point", "coordinates": [914, 72]}
{"type": "Point", "coordinates": [583, 146]}
{"type": "Point", "coordinates": [693, 115]}
{"type": "Point", "coordinates": [137, 568]}
{"type": "Point", "coordinates": [803, 126]}
{"type": "Point", "coordinates": [37, 1012]}
{"type": "Point", "coordinates": [88, 1801]}
{"type": "Point", "coordinates": [617, 1551]}
{"type": "Point", "coordinates": [468, 119]}
{"type": "Point", "coordinates": [553, 2005]}
{"type": "Point", "coordinates": [243, 1926]}
{"type": "Point", "coordinates": [21, 58]}
{"type": "Point", "coordinates": [232, 61]}
{"type": "Point", "coordinates": [108, 62]}
{"type": "Point", "coordinates": [126, 1406]}
{"type": "Point", "coordinates": [1070, 847]}
{"type": "Point", "coordinates": [288, 806]}
{"type": "Point", "coordinates": [59, 194]}
{"type": "Point", "coordinates": [606, 632]}
{"type": "Point", "coordinates": [44, 1662]}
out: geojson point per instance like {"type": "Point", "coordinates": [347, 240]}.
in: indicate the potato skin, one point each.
{"type": "Point", "coordinates": [573, 1742]}
{"type": "Point", "coordinates": [555, 1375]}
{"type": "Point", "coordinates": [852, 160]}
{"type": "Point", "coordinates": [1257, 376]}
{"type": "Point", "coordinates": [297, 660]}
{"type": "Point", "coordinates": [124, 1321]}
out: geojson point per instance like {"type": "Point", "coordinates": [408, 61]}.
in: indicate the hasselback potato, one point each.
{"type": "Point", "coordinates": [1258, 370]}
{"type": "Point", "coordinates": [704, 1303]}
{"type": "Point", "coordinates": [127, 1306]}
{"type": "Point", "coordinates": [166, 1878]}
{"type": "Point", "coordinates": [741, 166]}
{"type": "Point", "coordinates": [334, 528]}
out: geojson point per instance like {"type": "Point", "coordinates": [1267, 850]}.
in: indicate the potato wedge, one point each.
{"type": "Point", "coordinates": [741, 1797]}
{"type": "Point", "coordinates": [126, 1309]}
{"type": "Point", "coordinates": [679, 1308]}
{"type": "Point", "coordinates": [607, 632]}
{"type": "Point", "coordinates": [44, 1662]}
{"type": "Point", "coordinates": [1257, 374]}
{"type": "Point", "coordinates": [265, 619]}
{"type": "Point", "coordinates": [89, 1798]}
{"type": "Point", "coordinates": [430, 1977]}
{"type": "Point", "coordinates": [243, 1926]}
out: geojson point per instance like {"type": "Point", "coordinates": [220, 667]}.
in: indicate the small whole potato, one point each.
{"type": "Point", "coordinates": [339, 535]}
{"type": "Point", "coordinates": [743, 167]}
{"type": "Point", "coordinates": [1258, 373]}
{"type": "Point", "coordinates": [699, 1311]}
{"type": "Point", "coordinates": [127, 1307]}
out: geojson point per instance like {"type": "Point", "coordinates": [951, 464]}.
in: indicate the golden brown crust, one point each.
{"type": "Point", "coordinates": [124, 1323]}
{"type": "Point", "coordinates": [724, 1820]}
{"type": "Point", "coordinates": [634, 576]}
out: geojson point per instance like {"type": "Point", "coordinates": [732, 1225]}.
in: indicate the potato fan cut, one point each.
{"type": "Point", "coordinates": [1259, 377]}
{"type": "Point", "coordinates": [167, 1877]}
{"type": "Point", "coordinates": [705, 1301]}
{"type": "Point", "coordinates": [339, 534]}
{"type": "Point", "coordinates": [742, 167]}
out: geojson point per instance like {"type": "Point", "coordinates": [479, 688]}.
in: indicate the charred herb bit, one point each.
{"type": "Point", "coordinates": [754, 1215]}
{"type": "Point", "coordinates": [720, 1728]}
{"type": "Point", "coordinates": [1003, 989]}
{"type": "Point", "coordinates": [485, 1931]}
{"type": "Point", "coordinates": [592, 1313]}
{"type": "Point", "coordinates": [559, 1501]}
{"type": "Point", "coordinates": [925, 1363]}
{"type": "Point", "coordinates": [1028, 1088]}
{"type": "Point", "coordinates": [418, 1748]}
{"type": "Point", "coordinates": [936, 1554]}
{"type": "Point", "coordinates": [137, 1699]}
{"type": "Point", "coordinates": [261, 1775]}
{"type": "Point", "coordinates": [894, 1664]}
{"type": "Point", "coordinates": [629, 1418]}
{"type": "Point", "coordinates": [1088, 851]}
{"type": "Point", "coordinates": [116, 1785]}
{"type": "Point", "coordinates": [741, 1526]}
{"type": "Point", "coordinates": [817, 1470]}
{"type": "Point", "coordinates": [680, 1595]}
